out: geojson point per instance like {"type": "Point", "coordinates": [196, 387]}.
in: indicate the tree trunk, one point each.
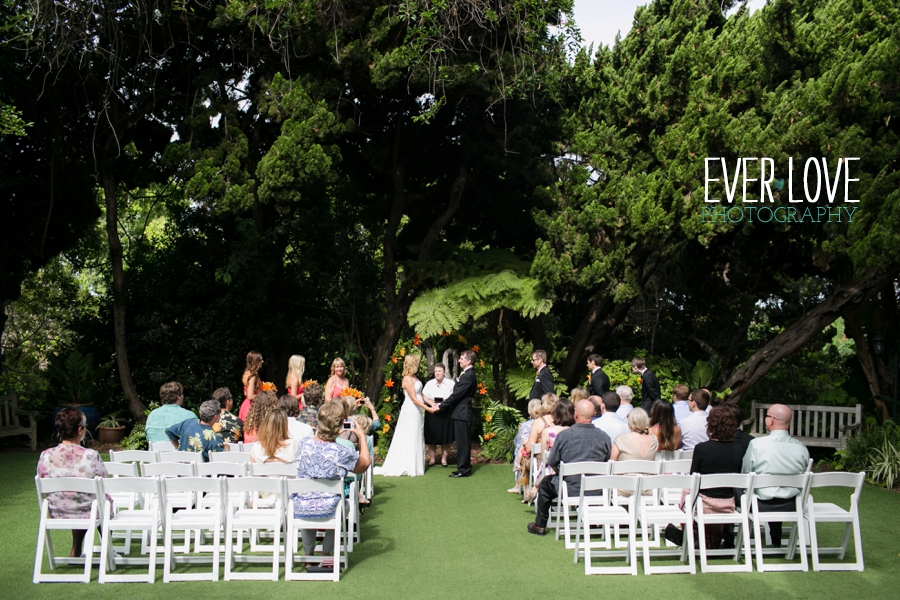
{"type": "Point", "coordinates": [854, 328]}
{"type": "Point", "coordinates": [118, 272]}
{"type": "Point", "coordinates": [841, 301]}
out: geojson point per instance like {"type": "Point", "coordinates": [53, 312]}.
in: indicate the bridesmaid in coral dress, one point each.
{"type": "Point", "coordinates": [338, 381]}
{"type": "Point", "coordinates": [251, 382]}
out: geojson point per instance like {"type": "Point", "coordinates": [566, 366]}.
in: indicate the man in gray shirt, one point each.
{"type": "Point", "coordinates": [581, 442]}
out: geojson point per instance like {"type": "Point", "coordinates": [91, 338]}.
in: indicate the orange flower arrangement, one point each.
{"type": "Point", "coordinates": [353, 392]}
{"type": "Point", "coordinates": [480, 363]}
{"type": "Point", "coordinates": [445, 333]}
{"type": "Point", "coordinates": [482, 389]}
{"type": "Point", "coordinates": [388, 399]}
{"type": "Point", "coordinates": [417, 340]}
{"type": "Point", "coordinates": [402, 351]}
{"type": "Point", "coordinates": [307, 383]}
{"type": "Point", "coordinates": [386, 428]}
{"type": "Point", "coordinates": [487, 418]}
{"type": "Point", "coordinates": [475, 348]}
{"type": "Point", "coordinates": [389, 383]}
{"type": "Point", "coordinates": [267, 386]}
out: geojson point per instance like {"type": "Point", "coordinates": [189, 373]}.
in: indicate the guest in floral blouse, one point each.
{"type": "Point", "coordinates": [198, 435]}
{"type": "Point", "coordinates": [313, 395]}
{"type": "Point", "coordinates": [321, 458]}
{"type": "Point", "coordinates": [229, 427]}
{"type": "Point", "coordinates": [69, 459]}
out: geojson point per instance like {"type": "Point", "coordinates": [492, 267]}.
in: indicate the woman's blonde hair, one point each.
{"type": "Point", "coordinates": [365, 423]}
{"type": "Point", "coordinates": [273, 430]}
{"type": "Point", "coordinates": [534, 409]}
{"type": "Point", "coordinates": [263, 403]}
{"type": "Point", "coordinates": [577, 394]}
{"type": "Point", "coordinates": [336, 362]}
{"type": "Point", "coordinates": [639, 421]}
{"type": "Point", "coordinates": [411, 364]}
{"type": "Point", "coordinates": [548, 401]}
{"type": "Point", "coordinates": [330, 417]}
{"type": "Point", "coordinates": [296, 365]}
{"type": "Point", "coordinates": [350, 404]}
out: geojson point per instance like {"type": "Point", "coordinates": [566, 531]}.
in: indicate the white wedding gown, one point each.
{"type": "Point", "coordinates": [406, 455]}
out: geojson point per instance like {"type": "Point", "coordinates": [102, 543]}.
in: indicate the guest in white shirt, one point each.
{"type": "Point", "coordinates": [680, 395]}
{"type": "Point", "coordinates": [625, 394]}
{"type": "Point", "coordinates": [438, 426]}
{"type": "Point", "coordinates": [297, 430]}
{"type": "Point", "coordinates": [693, 428]}
{"type": "Point", "coordinates": [608, 422]}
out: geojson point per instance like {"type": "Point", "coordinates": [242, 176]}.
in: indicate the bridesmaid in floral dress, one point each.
{"type": "Point", "coordinates": [70, 459]}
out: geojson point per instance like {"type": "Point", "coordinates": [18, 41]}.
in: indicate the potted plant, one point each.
{"type": "Point", "coordinates": [111, 429]}
{"type": "Point", "coordinates": [77, 383]}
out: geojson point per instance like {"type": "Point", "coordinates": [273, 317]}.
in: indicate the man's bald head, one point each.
{"type": "Point", "coordinates": [780, 417]}
{"type": "Point", "coordinates": [584, 411]}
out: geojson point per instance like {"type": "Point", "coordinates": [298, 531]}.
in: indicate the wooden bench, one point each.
{"type": "Point", "coordinates": [9, 419]}
{"type": "Point", "coordinates": [823, 426]}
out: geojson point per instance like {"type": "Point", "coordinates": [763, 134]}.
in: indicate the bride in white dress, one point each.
{"type": "Point", "coordinates": [406, 455]}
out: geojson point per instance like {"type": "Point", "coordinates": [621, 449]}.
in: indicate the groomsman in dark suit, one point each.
{"type": "Point", "coordinates": [460, 403]}
{"type": "Point", "coordinates": [650, 391]}
{"type": "Point", "coordinates": [599, 383]}
{"type": "Point", "coordinates": [543, 381]}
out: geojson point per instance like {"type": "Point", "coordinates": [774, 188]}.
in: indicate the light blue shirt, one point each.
{"type": "Point", "coordinates": [682, 411]}
{"type": "Point", "coordinates": [164, 417]}
{"type": "Point", "coordinates": [611, 425]}
{"type": "Point", "coordinates": [776, 454]}
{"type": "Point", "coordinates": [693, 430]}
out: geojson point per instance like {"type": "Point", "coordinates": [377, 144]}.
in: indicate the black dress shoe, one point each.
{"type": "Point", "coordinates": [533, 528]}
{"type": "Point", "coordinates": [456, 474]}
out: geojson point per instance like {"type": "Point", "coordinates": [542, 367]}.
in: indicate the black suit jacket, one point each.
{"type": "Point", "coordinates": [460, 400]}
{"type": "Point", "coordinates": [649, 389]}
{"type": "Point", "coordinates": [599, 383]}
{"type": "Point", "coordinates": [543, 384]}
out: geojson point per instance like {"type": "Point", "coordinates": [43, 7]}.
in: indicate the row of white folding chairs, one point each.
{"type": "Point", "coordinates": [229, 512]}
{"type": "Point", "coordinates": [168, 446]}
{"type": "Point", "coordinates": [612, 509]}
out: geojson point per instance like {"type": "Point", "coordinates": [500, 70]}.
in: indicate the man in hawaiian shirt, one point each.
{"type": "Point", "coordinates": [198, 435]}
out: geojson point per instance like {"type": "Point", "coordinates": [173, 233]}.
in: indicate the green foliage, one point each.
{"type": "Point", "coordinates": [11, 122]}
{"type": "Point", "coordinates": [137, 439]}
{"type": "Point", "coordinates": [875, 450]}
{"type": "Point", "coordinates": [78, 381]}
{"type": "Point", "coordinates": [113, 419]}
{"type": "Point", "coordinates": [500, 425]}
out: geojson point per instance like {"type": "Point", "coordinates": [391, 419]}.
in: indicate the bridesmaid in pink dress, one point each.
{"type": "Point", "coordinates": [338, 381]}
{"type": "Point", "coordinates": [294, 379]}
{"type": "Point", "coordinates": [251, 382]}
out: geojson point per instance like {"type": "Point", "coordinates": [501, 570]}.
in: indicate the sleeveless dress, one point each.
{"type": "Point", "coordinates": [406, 455]}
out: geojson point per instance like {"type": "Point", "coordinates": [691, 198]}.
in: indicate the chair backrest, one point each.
{"type": "Point", "coordinates": [210, 485]}
{"type": "Point", "coordinates": [536, 450]}
{"type": "Point", "coordinates": [850, 480]}
{"type": "Point", "coordinates": [273, 468]}
{"type": "Point", "coordinates": [247, 448]}
{"type": "Point", "coordinates": [671, 480]}
{"type": "Point", "coordinates": [726, 480]}
{"type": "Point", "coordinates": [799, 481]}
{"type": "Point", "coordinates": [169, 469]}
{"type": "Point", "coordinates": [121, 469]}
{"type": "Point", "coordinates": [180, 456]}
{"type": "Point", "coordinates": [583, 468]}
{"type": "Point", "coordinates": [644, 467]}
{"type": "Point", "coordinates": [685, 454]}
{"type": "Point", "coordinates": [271, 485]}
{"type": "Point", "coordinates": [681, 465]}
{"type": "Point", "coordinates": [591, 483]}
{"type": "Point", "coordinates": [161, 446]}
{"type": "Point", "coordinates": [52, 485]}
{"type": "Point", "coordinates": [137, 485]}
{"type": "Point", "coordinates": [229, 457]}
{"type": "Point", "coordinates": [213, 469]}
{"type": "Point", "coordinates": [305, 486]}
{"type": "Point", "coordinates": [810, 466]}
{"type": "Point", "coordinates": [138, 456]}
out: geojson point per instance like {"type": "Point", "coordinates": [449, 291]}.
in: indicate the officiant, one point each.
{"type": "Point", "coordinates": [438, 426]}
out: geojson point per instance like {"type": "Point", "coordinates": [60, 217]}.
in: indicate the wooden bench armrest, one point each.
{"type": "Point", "coordinates": [749, 421]}
{"type": "Point", "coordinates": [851, 427]}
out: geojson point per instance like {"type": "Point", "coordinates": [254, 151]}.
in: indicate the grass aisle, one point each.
{"type": "Point", "coordinates": [436, 537]}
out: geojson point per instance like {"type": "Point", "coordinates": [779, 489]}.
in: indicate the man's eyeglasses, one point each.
{"type": "Point", "coordinates": [773, 417]}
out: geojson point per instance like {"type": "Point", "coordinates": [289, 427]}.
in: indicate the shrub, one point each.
{"type": "Point", "coordinates": [875, 450]}
{"type": "Point", "coordinates": [501, 423]}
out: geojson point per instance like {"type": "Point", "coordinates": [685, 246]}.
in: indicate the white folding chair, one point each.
{"type": "Point", "coordinates": [295, 524]}
{"type": "Point", "coordinates": [601, 512]}
{"type": "Point", "coordinates": [140, 457]}
{"type": "Point", "coordinates": [659, 514]}
{"type": "Point", "coordinates": [681, 466]}
{"type": "Point", "coordinates": [247, 448]}
{"type": "Point", "coordinates": [366, 485]}
{"type": "Point", "coordinates": [567, 505]}
{"type": "Point", "coordinates": [191, 519]}
{"type": "Point", "coordinates": [273, 469]}
{"type": "Point", "coordinates": [739, 519]}
{"type": "Point", "coordinates": [535, 464]}
{"type": "Point", "coordinates": [240, 516]}
{"type": "Point", "coordinates": [45, 487]}
{"type": "Point", "coordinates": [166, 446]}
{"type": "Point", "coordinates": [129, 519]}
{"type": "Point", "coordinates": [632, 467]}
{"type": "Point", "coordinates": [798, 531]}
{"type": "Point", "coordinates": [232, 457]}
{"type": "Point", "coordinates": [352, 529]}
{"type": "Point", "coordinates": [685, 455]}
{"type": "Point", "coordinates": [826, 512]}
{"type": "Point", "coordinates": [179, 456]}
{"type": "Point", "coordinates": [124, 500]}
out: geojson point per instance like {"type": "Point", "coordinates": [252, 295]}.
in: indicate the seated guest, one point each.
{"type": "Point", "coordinates": [663, 427]}
{"type": "Point", "coordinates": [776, 454]}
{"type": "Point", "coordinates": [296, 429]}
{"type": "Point", "coordinates": [312, 396]}
{"type": "Point", "coordinates": [638, 444]}
{"type": "Point", "coordinates": [534, 412]}
{"type": "Point", "coordinates": [626, 395]}
{"type": "Point", "coordinates": [198, 435]}
{"type": "Point", "coordinates": [170, 412]}
{"type": "Point", "coordinates": [720, 454]}
{"type": "Point", "coordinates": [741, 437]}
{"type": "Point", "coordinates": [274, 442]}
{"type": "Point", "coordinates": [680, 395]}
{"type": "Point", "coordinates": [263, 404]}
{"type": "Point", "coordinates": [607, 419]}
{"type": "Point", "coordinates": [563, 418]}
{"type": "Point", "coordinates": [548, 401]}
{"type": "Point", "coordinates": [580, 442]}
{"type": "Point", "coordinates": [320, 457]}
{"type": "Point", "coordinates": [693, 428]}
{"type": "Point", "coordinates": [229, 426]}
{"type": "Point", "coordinates": [70, 459]}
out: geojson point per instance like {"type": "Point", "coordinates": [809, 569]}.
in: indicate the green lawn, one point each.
{"type": "Point", "coordinates": [435, 537]}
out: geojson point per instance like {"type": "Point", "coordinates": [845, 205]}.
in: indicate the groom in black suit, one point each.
{"type": "Point", "coordinates": [460, 402]}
